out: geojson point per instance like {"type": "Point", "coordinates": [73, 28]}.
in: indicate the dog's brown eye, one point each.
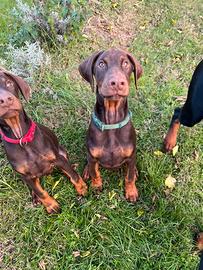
{"type": "Point", "coordinates": [125, 64]}
{"type": "Point", "coordinates": [101, 64]}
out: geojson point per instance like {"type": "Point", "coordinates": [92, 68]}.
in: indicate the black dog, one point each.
{"type": "Point", "coordinates": [192, 111]}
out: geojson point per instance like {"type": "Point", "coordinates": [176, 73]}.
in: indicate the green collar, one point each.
{"type": "Point", "coordinates": [100, 125]}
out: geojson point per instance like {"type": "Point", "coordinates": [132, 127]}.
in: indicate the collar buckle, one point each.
{"type": "Point", "coordinates": [22, 144]}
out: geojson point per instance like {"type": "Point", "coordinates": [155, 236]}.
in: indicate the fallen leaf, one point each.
{"type": "Point", "coordinates": [55, 184]}
{"type": "Point", "coordinates": [170, 43]}
{"type": "Point", "coordinates": [112, 194]}
{"type": "Point", "coordinates": [167, 191]}
{"type": "Point", "coordinates": [85, 254]}
{"type": "Point", "coordinates": [170, 182]}
{"type": "Point", "coordinates": [101, 217]}
{"type": "Point", "coordinates": [42, 265]}
{"type": "Point", "coordinates": [76, 233]}
{"type": "Point", "coordinates": [173, 22]}
{"type": "Point", "coordinates": [154, 198]}
{"type": "Point", "coordinates": [140, 212]}
{"type": "Point", "coordinates": [85, 36]}
{"type": "Point", "coordinates": [114, 5]}
{"type": "Point", "coordinates": [76, 253]}
{"type": "Point", "coordinates": [158, 153]}
{"type": "Point", "coordinates": [56, 196]}
{"type": "Point", "coordinates": [142, 27]}
{"type": "Point", "coordinates": [112, 206]}
{"type": "Point", "coordinates": [175, 150]}
{"type": "Point", "coordinates": [196, 155]}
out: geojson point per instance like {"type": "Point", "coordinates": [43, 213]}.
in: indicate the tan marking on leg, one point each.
{"type": "Point", "coordinates": [50, 203]}
{"type": "Point", "coordinates": [131, 192]}
{"type": "Point", "coordinates": [79, 184]}
{"type": "Point", "coordinates": [200, 241]}
{"type": "Point", "coordinates": [171, 136]}
{"type": "Point", "coordinates": [97, 181]}
{"type": "Point", "coordinates": [81, 187]}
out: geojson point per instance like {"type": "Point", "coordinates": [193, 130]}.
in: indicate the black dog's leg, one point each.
{"type": "Point", "coordinates": [171, 136]}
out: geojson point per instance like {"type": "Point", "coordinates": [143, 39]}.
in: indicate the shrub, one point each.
{"type": "Point", "coordinates": [27, 60]}
{"type": "Point", "coordinates": [53, 21]}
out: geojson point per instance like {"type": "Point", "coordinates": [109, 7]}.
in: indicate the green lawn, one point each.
{"type": "Point", "coordinates": [108, 232]}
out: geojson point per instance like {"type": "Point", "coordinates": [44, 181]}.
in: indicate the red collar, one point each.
{"type": "Point", "coordinates": [28, 137]}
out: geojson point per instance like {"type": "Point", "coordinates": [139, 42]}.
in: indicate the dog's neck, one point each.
{"type": "Point", "coordinates": [25, 123]}
{"type": "Point", "coordinates": [111, 111]}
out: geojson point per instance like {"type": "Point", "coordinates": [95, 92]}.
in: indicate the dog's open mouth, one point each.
{"type": "Point", "coordinates": [14, 123]}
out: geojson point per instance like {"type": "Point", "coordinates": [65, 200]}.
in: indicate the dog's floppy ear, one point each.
{"type": "Point", "coordinates": [21, 83]}
{"type": "Point", "coordinates": [86, 69]}
{"type": "Point", "coordinates": [137, 68]}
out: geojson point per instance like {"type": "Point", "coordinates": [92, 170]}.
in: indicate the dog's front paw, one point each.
{"type": "Point", "coordinates": [97, 184]}
{"type": "Point", "coordinates": [169, 142]}
{"type": "Point", "coordinates": [50, 204]}
{"type": "Point", "coordinates": [53, 208]}
{"type": "Point", "coordinates": [131, 192]}
{"type": "Point", "coordinates": [171, 138]}
{"type": "Point", "coordinates": [35, 200]}
{"type": "Point", "coordinates": [81, 187]}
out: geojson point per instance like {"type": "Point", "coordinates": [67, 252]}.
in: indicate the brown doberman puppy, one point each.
{"type": "Point", "coordinates": [32, 149]}
{"type": "Point", "coordinates": [111, 136]}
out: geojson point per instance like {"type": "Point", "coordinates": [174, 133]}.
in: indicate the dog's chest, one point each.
{"type": "Point", "coordinates": [35, 164]}
{"type": "Point", "coordinates": [112, 152]}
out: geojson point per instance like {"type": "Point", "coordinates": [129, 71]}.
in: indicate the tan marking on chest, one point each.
{"type": "Point", "coordinates": [50, 156]}
{"type": "Point", "coordinates": [96, 151]}
{"type": "Point", "coordinates": [126, 152]}
{"type": "Point", "coordinates": [23, 168]}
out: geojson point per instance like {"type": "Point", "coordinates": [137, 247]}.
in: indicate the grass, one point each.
{"type": "Point", "coordinates": [109, 233]}
{"type": "Point", "coordinates": [5, 23]}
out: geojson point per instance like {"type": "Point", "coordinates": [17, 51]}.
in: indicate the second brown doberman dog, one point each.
{"type": "Point", "coordinates": [111, 138]}
{"type": "Point", "coordinates": [31, 148]}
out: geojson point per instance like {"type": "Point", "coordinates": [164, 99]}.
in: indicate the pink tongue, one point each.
{"type": "Point", "coordinates": [14, 124]}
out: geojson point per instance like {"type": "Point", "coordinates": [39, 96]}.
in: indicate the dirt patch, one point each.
{"type": "Point", "coordinates": [115, 26]}
{"type": "Point", "coordinates": [6, 249]}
